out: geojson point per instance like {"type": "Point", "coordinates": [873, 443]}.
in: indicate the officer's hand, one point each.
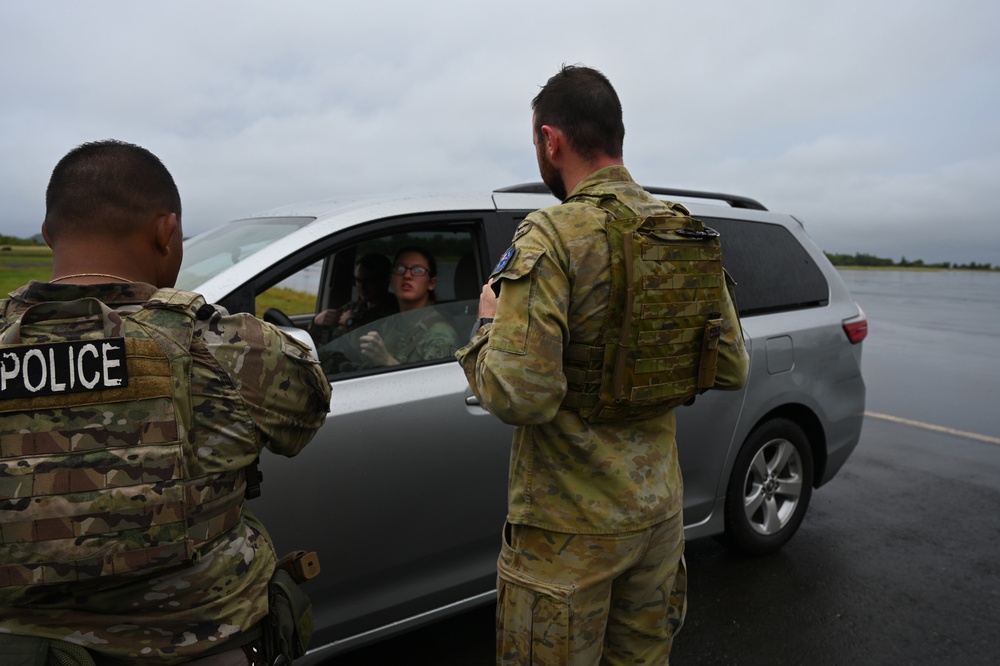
{"type": "Point", "coordinates": [487, 301]}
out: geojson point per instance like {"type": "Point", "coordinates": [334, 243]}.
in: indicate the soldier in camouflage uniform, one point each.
{"type": "Point", "coordinates": [418, 332]}
{"type": "Point", "coordinates": [591, 568]}
{"type": "Point", "coordinates": [129, 413]}
{"type": "Point", "coordinates": [374, 302]}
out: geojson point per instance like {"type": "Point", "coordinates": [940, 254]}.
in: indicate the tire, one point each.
{"type": "Point", "coordinates": [769, 488]}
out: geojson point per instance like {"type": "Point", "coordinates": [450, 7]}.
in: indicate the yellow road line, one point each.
{"type": "Point", "coordinates": [937, 428]}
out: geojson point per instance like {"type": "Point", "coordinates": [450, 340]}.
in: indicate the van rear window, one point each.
{"type": "Point", "coordinates": [773, 272]}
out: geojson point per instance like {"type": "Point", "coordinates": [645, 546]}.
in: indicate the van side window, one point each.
{"type": "Point", "coordinates": [773, 272]}
{"type": "Point", "coordinates": [409, 298]}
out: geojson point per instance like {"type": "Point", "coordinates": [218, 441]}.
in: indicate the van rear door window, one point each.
{"type": "Point", "coordinates": [772, 270]}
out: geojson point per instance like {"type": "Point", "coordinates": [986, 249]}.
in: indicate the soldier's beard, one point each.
{"type": "Point", "coordinates": [551, 176]}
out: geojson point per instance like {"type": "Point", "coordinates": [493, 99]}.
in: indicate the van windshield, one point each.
{"type": "Point", "coordinates": [208, 254]}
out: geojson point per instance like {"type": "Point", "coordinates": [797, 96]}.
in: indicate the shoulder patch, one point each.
{"type": "Point", "coordinates": [505, 259]}
{"type": "Point", "coordinates": [522, 228]}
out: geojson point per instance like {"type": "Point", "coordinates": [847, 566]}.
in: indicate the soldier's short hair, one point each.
{"type": "Point", "coordinates": [108, 187]}
{"type": "Point", "coordinates": [376, 263]}
{"type": "Point", "coordinates": [581, 102]}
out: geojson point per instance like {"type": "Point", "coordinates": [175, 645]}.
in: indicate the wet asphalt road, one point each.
{"type": "Point", "coordinates": [896, 563]}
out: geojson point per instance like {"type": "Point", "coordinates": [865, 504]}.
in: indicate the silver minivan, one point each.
{"type": "Point", "coordinates": [403, 491]}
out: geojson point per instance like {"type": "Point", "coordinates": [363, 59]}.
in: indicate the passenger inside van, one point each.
{"type": "Point", "coordinates": [417, 333]}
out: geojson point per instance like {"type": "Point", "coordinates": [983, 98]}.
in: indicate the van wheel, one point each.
{"type": "Point", "coordinates": [769, 488]}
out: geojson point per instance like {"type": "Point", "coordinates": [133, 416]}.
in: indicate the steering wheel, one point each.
{"type": "Point", "coordinates": [278, 318]}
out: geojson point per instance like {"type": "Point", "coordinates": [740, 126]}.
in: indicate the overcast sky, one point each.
{"type": "Point", "coordinates": [874, 122]}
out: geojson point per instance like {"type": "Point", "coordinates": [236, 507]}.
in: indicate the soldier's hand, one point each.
{"type": "Point", "coordinates": [373, 348]}
{"type": "Point", "coordinates": [487, 301]}
{"type": "Point", "coordinates": [327, 318]}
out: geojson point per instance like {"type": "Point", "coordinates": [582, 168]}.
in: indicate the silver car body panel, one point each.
{"type": "Point", "coordinates": [402, 493]}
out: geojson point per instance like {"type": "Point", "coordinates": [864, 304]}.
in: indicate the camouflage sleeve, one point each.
{"type": "Point", "coordinates": [733, 362]}
{"type": "Point", "coordinates": [514, 366]}
{"type": "Point", "coordinates": [283, 387]}
{"type": "Point", "coordinates": [440, 341]}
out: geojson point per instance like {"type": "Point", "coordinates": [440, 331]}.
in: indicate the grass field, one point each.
{"type": "Point", "coordinates": [21, 264]}
{"type": "Point", "coordinates": [286, 300]}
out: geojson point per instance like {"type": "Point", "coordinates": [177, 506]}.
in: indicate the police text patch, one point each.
{"type": "Point", "coordinates": [28, 371]}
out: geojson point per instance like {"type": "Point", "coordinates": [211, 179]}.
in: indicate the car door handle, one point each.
{"type": "Point", "coordinates": [472, 401]}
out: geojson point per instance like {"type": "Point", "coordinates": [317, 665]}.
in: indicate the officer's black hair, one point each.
{"type": "Point", "coordinates": [582, 103]}
{"type": "Point", "coordinates": [108, 187]}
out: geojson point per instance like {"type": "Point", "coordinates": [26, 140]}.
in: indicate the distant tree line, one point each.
{"type": "Point", "coordinates": [865, 259]}
{"type": "Point", "coordinates": [11, 240]}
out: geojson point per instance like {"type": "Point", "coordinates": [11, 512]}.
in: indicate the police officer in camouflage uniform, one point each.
{"type": "Point", "coordinates": [129, 415]}
{"type": "Point", "coordinates": [591, 568]}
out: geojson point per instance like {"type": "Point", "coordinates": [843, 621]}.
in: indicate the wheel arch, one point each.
{"type": "Point", "coordinates": [805, 418]}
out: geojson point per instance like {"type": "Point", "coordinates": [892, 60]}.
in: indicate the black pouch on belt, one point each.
{"type": "Point", "coordinates": [289, 618]}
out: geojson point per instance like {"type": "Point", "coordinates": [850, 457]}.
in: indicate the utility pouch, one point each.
{"type": "Point", "coordinates": [289, 620]}
{"type": "Point", "coordinates": [710, 352]}
{"type": "Point", "coordinates": [31, 651]}
{"type": "Point", "coordinates": [300, 565]}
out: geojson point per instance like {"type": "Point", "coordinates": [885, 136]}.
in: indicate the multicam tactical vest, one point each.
{"type": "Point", "coordinates": [95, 472]}
{"type": "Point", "coordinates": [658, 344]}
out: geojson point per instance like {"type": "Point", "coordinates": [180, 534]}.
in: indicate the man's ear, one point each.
{"type": "Point", "coordinates": [553, 138]}
{"type": "Point", "coordinates": [165, 225]}
{"type": "Point", "coordinates": [45, 235]}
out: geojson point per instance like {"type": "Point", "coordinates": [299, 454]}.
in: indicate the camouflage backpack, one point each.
{"type": "Point", "coordinates": [94, 412]}
{"type": "Point", "coordinates": [658, 344]}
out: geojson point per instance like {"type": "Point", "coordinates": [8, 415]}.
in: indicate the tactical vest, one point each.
{"type": "Point", "coordinates": [658, 343]}
{"type": "Point", "coordinates": [95, 416]}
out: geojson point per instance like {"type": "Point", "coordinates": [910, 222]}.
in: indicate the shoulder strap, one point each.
{"type": "Point", "coordinates": [609, 201]}
{"type": "Point", "coordinates": [96, 315]}
{"type": "Point", "coordinates": [176, 299]}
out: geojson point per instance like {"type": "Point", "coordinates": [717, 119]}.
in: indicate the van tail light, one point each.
{"type": "Point", "coordinates": [856, 327]}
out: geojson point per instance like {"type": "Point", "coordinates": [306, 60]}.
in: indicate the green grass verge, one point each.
{"type": "Point", "coordinates": [21, 264]}
{"type": "Point", "coordinates": [289, 301]}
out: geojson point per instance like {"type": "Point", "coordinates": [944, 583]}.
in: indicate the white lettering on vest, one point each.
{"type": "Point", "coordinates": [109, 363]}
{"type": "Point", "coordinates": [35, 370]}
{"type": "Point", "coordinates": [53, 384]}
{"type": "Point", "coordinates": [34, 353]}
{"type": "Point", "coordinates": [6, 374]}
{"type": "Point", "coordinates": [90, 349]}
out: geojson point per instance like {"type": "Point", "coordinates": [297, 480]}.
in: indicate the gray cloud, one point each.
{"type": "Point", "coordinates": [871, 121]}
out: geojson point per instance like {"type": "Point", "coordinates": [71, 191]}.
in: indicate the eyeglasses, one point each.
{"type": "Point", "coordinates": [415, 271]}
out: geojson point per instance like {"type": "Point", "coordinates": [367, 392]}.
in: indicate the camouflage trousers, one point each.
{"type": "Point", "coordinates": [582, 599]}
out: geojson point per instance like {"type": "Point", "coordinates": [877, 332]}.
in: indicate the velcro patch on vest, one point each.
{"type": "Point", "coordinates": [28, 371]}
